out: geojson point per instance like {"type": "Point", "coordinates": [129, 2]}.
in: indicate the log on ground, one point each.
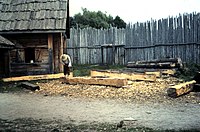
{"type": "Point", "coordinates": [116, 82]}
{"type": "Point", "coordinates": [157, 63]}
{"type": "Point", "coordinates": [130, 76]}
{"type": "Point", "coordinates": [181, 89]}
{"type": "Point", "coordinates": [34, 77]}
{"type": "Point", "coordinates": [163, 60]}
{"type": "Point", "coordinates": [30, 86]}
{"type": "Point", "coordinates": [166, 65]}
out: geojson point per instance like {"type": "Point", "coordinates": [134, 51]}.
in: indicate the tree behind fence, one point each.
{"type": "Point", "coordinates": [170, 37]}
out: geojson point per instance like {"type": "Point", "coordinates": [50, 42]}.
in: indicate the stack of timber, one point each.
{"type": "Point", "coordinates": [166, 63]}
{"type": "Point", "coordinates": [126, 75]}
{"type": "Point", "coordinates": [159, 67]}
{"type": "Point", "coordinates": [116, 82]}
{"type": "Point", "coordinates": [185, 88]}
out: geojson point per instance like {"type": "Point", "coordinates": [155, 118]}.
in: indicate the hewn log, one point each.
{"type": "Point", "coordinates": [168, 72]}
{"type": "Point", "coordinates": [181, 89]}
{"type": "Point", "coordinates": [130, 76]}
{"type": "Point", "coordinates": [156, 73]}
{"type": "Point", "coordinates": [116, 82]}
{"type": "Point", "coordinates": [30, 86]}
{"type": "Point", "coordinates": [34, 77]}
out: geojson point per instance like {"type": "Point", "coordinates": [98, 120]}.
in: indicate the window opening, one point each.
{"type": "Point", "coordinates": [29, 55]}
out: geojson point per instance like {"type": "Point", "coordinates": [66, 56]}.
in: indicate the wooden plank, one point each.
{"type": "Point", "coordinates": [181, 89]}
{"type": "Point", "coordinates": [130, 76]}
{"type": "Point", "coordinates": [116, 82]}
{"type": "Point", "coordinates": [30, 86]}
{"type": "Point", "coordinates": [34, 77]}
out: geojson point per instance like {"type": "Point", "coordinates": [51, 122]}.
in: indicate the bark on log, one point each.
{"type": "Point", "coordinates": [181, 89]}
{"type": "Point", "coordinates": [116, 82]}
{"type": "Point", "coordinates": [130, 76]}
{"type": "Point", "coordinates": [30, 86]}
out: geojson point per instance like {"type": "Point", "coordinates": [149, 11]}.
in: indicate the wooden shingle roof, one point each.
{"type": "Point", "coordinates": [5, 43]}
{"type": "Point", "coordinates": [33, 15]}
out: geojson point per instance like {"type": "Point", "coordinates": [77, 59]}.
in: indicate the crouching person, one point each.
{"type": "Point", "coordinates": [67, 64]}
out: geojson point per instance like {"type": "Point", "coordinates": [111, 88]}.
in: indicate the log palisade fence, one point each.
{"type": "Point", "coordinates": [171, 37]}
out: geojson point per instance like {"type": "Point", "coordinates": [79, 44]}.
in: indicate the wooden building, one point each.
{"type": "Point", "coordinates": [36, 27]}
{"type": "Point", "coordinates": [5, 47]}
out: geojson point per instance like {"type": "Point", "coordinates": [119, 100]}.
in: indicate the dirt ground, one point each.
{"type": "Point", "coordinates": [58, 107]}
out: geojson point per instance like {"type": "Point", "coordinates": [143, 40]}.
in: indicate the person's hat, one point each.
{"type": "Point", "coordinates": [64, 57]}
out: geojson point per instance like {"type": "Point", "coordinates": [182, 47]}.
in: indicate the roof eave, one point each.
{"type": "Point", "coordinates": [32, 31]}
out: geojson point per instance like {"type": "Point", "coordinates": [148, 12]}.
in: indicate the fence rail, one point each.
{"type": "Point", "coordinates": [171, 37]}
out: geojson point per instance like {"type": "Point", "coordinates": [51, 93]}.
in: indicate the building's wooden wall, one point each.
{"type": "Point", "coordinates": [41, 64]}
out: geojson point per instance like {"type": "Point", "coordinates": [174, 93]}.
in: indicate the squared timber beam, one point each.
{"type": "Point", "coordinates": [130, 76]}
{"type": "Point", "coordinates": [116, 82]}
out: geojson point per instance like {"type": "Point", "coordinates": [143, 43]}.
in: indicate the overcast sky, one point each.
{"type": "Point", "coordinates": [137, 10]}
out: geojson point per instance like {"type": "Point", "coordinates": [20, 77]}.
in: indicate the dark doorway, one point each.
{"type": "Point", "coordinates": [4, 63]}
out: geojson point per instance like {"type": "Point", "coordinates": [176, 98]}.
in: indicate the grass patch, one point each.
{"type": "Point", "coordinates": [84, 70]}
{"type": "Point", "coordinates": [9, 87]}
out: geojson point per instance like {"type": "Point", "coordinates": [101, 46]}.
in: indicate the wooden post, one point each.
{"type": "Point", "coordinates": [64, 45]}
{"type": "Point", "coordinates": [7, 63]}
{"type": "Point", "coordinates": [61, 52]}
{"type": "Point", "coordinates": [50, 49]}
{"type": "Point", "coordinates": [102, 58]}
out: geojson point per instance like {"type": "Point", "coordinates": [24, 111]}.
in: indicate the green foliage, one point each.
{"type": "Point", "coordinates": [96, 20]}
{"type": "Point", "coordinates": [189, 71]}
{"type": "Point", "coordinates": [118, 22]}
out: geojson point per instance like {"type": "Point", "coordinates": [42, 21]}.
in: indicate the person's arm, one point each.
{"type": "Point", "coordinates": [61, 61]}
{"type": "Point", "coordinates": [70, 62]}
